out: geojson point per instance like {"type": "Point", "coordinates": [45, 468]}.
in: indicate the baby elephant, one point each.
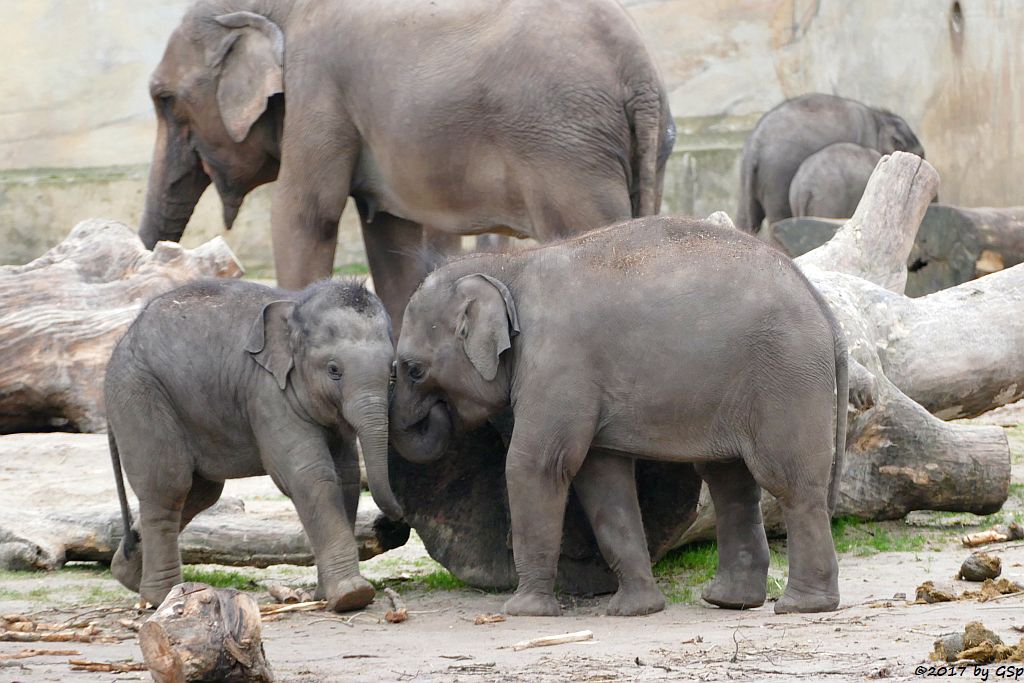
{"type": "Point", "coordinates": [830, 182]}
{"type": "Point", "coordinates": [224, 379]}
{"type": "Point", "coordinates": [661, 338]}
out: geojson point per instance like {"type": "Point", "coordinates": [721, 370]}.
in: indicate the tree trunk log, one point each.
{"type": "Point", "coordinates": [61, 315]}
{"type": "Point", "coordinates": [224, 534]}
{"type": "Point", "coordinates": [205, 634]}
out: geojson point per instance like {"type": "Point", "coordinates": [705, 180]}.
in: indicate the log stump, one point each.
{"type": "Point", "coordinates": [61, 315]}
{"type": "Point", "coordinates": [200, 633]}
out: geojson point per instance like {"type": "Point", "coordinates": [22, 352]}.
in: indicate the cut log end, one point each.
{"type": "Point", "coordinates": [204, 634]}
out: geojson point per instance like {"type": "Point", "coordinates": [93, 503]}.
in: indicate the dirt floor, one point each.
{"type": "Point", "coordinates": [877, 633]}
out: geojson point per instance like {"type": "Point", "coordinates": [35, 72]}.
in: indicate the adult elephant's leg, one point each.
{"type": "Point", "coordinates": [440, 245]}
{"type": "Point", "coordinates": [743, 555]}
{"type": "Point", "coordinates": [346, 464]}
{"type": "Point", "coordinates": [394, 250]}
{"type": "Point", "coordinates": [310, 194]}
{"type": "Point", "coordinates": [606, 486]}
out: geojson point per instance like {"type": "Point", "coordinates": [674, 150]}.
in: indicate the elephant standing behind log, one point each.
{"type": "Point", "coordinates": [462, 116]}
{"type": "Point", "coordinates": [796, 129]}
{"type": "Point", "coordinates": [220, 380]}
{"type": "Point", "coordinates": [830, 183]}
{"type": "Point", "coordinates": [750, 396]}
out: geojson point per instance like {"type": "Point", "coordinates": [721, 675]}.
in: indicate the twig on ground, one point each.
{"type": "Point", "coordinates": [106, 667]}
{"type": "Point", "coordinates": [34, 652]}
{"type": "Point", "coordinates": [545, 641]}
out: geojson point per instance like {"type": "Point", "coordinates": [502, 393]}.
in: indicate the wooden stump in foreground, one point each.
{"type": "Point", "coordinates": [61, 315]}
{"type": "Point", "coordinates": [205, 634]}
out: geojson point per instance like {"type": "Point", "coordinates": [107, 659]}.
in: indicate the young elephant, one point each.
{"type": "Point", "coordinates": [795, 130]}
{"type": "Point", "coordinates": [224, 379]}
{"type": "Point", "coordinates": [661, 338]}
{"type": "Point", "coordinates": [830, 182]}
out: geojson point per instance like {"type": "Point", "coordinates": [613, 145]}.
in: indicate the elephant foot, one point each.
{"type": "Point", "coordinates": [636, 601]}
{"type": "Point", "coordinates": [351, 594]}
{"type": "Point", "coordinates": [127, 570]}
{"type": "Point", "coordinates": [735, 593]}
{"type": "Point", "coordinates": [794, 600]}
{"type": "Point", "coordinates": [532, 605]}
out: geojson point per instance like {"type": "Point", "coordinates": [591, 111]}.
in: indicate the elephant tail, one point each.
{"type": "Point", "coordinates": [750, 213]}
{"type": "Point", "coordinates": [131, 537]}
{"type": "Point", "coordinates": [653, 133]}
{"type": "Point", "coordinates": [842, 399]}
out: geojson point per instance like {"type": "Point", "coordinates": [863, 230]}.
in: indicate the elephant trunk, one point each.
{"type": "Point", "coordinates": [427, 439]}
{"type": "Point", "coordinates": [369, 416]}
{"type": "Point", "coordinates": [176, 182]}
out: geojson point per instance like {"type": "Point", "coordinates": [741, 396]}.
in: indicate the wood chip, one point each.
{"type": "Point", "coordinates": [546, 641]}
{"type": "Point", "coordinates": [33, 652]}
{"type": "Point", "coordinates": [488, 619]}
{"type": "Point", "coordinates": [398, 613]}
{"type": "Point", "coordinates": [284, 594]}
{"type": "Point", "coordinates": [106, 667]}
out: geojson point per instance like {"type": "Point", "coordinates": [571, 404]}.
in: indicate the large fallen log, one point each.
{"type": "Point", "coordinates": [225, 534]}
{"type": "Point", "coordinates": [954, 245]}
{"type": "Point", "coordinates": [61, 315]}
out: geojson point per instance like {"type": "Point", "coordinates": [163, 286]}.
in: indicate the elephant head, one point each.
{"type": "Point", "coordinates": [218, 94]}
{"type": "Point", "coordinates": [449, 373]}
{"type": "Point", "coordinates": [332, 348]}
{"type": "Point", "coordinates": [895, 135]}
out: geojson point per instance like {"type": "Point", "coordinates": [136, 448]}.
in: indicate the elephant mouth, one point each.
{"type": "Point", "coordinates": [423, 425]}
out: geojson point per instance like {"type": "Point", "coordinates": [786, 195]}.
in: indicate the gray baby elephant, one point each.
{"type": "Point", "coordinates": [669, 339]}
{"type": "Point", "coordinates": [223, 379]}
{"type": "Point", "coordinates": [830, 182]}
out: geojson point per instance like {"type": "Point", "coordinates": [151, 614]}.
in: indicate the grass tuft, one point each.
{"type": "Point", "coordinates": [870, 538]}
{"type": "Point", "coordinates": [219, 578]}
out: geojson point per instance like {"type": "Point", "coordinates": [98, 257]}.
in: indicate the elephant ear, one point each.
{"type": "Point", "coordinates": [269, 340]}
{"type": "Point", "coordinates": [487, 321]}
{"type": "Point", "coordinates": [250, 60]}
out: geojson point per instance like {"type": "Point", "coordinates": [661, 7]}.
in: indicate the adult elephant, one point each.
{"type": "Point", "coordinates": [531, 118]}
{"type": "Point", "coordinates": [795, 130]}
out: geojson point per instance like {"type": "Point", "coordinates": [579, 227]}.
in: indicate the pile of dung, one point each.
{"type": "Point", "coordinates": [927, 593]}
{"type": "Point", "coordinates": [977, 644]}
{"type": "Point", "coordinates": [992, 589]}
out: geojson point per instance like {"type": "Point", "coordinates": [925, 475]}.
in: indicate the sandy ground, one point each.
{"type": "Point", "coordinates": [875, 634]}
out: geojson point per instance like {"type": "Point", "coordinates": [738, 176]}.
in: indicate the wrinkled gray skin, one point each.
{"type": "Point", "coordinates": [224, 379]}
{"type": "Point", "coordinates": [830, 183]}
{"type": "Point", "coordinates": [653, 349]}
{"type": "Point", "coordinates": [463, 116]}
{"type": "Point", "coordinates": [796, 129]}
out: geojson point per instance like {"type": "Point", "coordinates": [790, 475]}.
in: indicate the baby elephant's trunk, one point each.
{"type": "Point", "coordinates": [369, 416]}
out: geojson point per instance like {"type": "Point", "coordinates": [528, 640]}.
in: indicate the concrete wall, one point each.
{"type": "Point", "coordinates": [76, 126]}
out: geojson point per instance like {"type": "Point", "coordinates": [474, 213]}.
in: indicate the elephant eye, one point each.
{"type": "Point", "coordinates": [415, 371]}
{"type": "Point", "coordinates": [333, 370]}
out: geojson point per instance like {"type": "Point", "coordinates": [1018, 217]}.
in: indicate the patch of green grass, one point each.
{"type": "Point", "coordinates": [219, 578]}
{"type": "Point", "coordinates": [870, 538]}
{"type": "Point", "coordinates": [686, 569]}
{"type": "Point", "coordinates": [352, 269]}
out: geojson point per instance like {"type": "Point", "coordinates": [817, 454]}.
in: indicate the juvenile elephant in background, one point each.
{"type": "Point", "coordinates": [652, 350]}
{"type": "Point", "coordinates": [788, 134]}
{"type": "Point", "coordinates": [462, 116]}
{"type": "Point", "coordinates": [224, 379]}
{"type": "Point", "coordinates": [830, 182]}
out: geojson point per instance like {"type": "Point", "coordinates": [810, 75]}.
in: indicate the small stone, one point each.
{"type": "Point", "coordinates": [980, 566]}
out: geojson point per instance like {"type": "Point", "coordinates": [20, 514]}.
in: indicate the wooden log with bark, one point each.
{"type": "Point", "coordinates": [953, 244]}
{"type": "Point", "coordinates": [955, 353]}
{"type": "Point", "coordinates": [201, 633]}
{"type": "Point", "coordinates": [225, 535]}
{"type": "Point", "coordinates": [61, 315]}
